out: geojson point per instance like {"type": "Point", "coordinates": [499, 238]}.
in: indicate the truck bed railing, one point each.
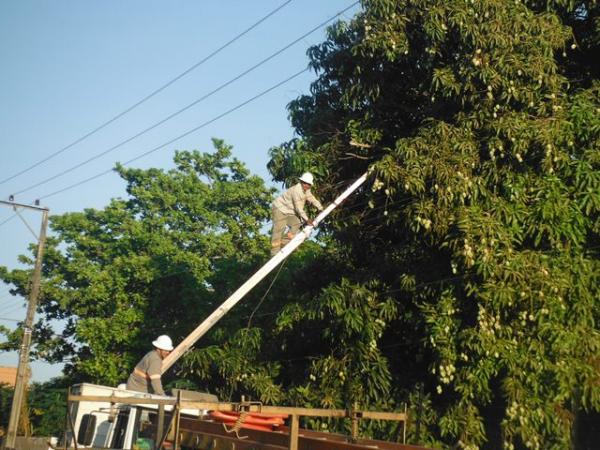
{"type": "Point", "coordinates": [178, 404]}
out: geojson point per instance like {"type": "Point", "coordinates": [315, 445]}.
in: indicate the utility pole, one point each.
{"type": "Point", "coordinates": [211, 320]}
{"type": "Point", "coordinates": [21, 382]}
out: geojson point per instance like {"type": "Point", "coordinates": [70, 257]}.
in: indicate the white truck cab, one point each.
{"type": "Point", "coordinates": [101, 424]}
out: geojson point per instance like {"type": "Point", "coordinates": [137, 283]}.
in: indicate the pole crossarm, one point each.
{"type": "Point", "coordinates": [24, 206]}
{"type": "Point", "coordinates": [226, 306]}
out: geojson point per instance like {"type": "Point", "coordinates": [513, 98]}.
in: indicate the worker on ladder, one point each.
{"type": "Point", "coordinates": [288, 212]}
{"type": "Point", "coordinates": [146, 374]}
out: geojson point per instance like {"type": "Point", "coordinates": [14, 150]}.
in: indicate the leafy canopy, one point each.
{"type": "Point", "coordinates": [154, 263]}
{"type": "Point", "coordinates": [479, 124]}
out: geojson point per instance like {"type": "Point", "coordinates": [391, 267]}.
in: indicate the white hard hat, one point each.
{"type": "Point", "coordinates": [307, 178]}
{"type": "Point", "coordinates": [163, 342]}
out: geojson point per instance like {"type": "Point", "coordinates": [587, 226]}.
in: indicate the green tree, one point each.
{"type": "Point", "coordinates": [479, 234]}
{"type": "Point", "coordinates": [48, 407]}
{"type": "Point", "coordinates": [6, 395]}
{"type": "Point", "coordinates": [248, 355]}
{"type": "Point", "coordinates": [156, 262]}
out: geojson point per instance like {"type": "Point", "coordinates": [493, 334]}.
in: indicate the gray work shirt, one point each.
{"type": "Point", "coordinates": [146, 375]}
{"type": "Point", "coordinates": [292, 201]}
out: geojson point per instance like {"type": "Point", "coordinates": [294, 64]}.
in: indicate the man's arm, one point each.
{"type": "Point", "coordinates": [313, 200]}
{"type": "Point", "coordinates": [153, 372]}
{"type": "Point", "coordinates": [156, 384]}
{"type": "Point", "coordinates": [299, 204]}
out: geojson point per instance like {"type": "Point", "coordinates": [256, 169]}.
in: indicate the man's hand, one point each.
{"type": "Point", "coordinates": [310, 222]}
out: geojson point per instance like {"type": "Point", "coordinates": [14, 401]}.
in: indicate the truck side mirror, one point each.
{"type": "Point", "coordinates": [86, 429]}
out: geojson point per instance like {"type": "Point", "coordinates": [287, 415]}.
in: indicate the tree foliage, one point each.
{"type": "Point", "coordinates": [48, 407]}
{"type": "Point", "coordinates": [154, 263]}
{"type": "Point", "coordinates": [479, 124]}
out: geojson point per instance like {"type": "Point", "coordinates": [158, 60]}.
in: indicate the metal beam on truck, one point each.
{"type": "Point", "coordinates": [250, 407]}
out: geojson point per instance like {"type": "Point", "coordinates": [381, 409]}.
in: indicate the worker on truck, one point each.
{"type": "Point", "coordinates": [146, 374]}
{"type": "Point", "coordinates": [288, 212]}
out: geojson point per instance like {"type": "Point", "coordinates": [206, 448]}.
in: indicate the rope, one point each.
{"type": "Point", "coordinates": [265, 294]}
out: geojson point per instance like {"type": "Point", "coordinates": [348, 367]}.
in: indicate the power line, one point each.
{"type": "Point", "coordinates": [14, 300]}
{"type": "Point", "coordinates": [149, 96]}
{"type": "Point", "coordinates": [7, 294]}
{"type": "Point", "coordinates": [8, 319]}
{"type": "Point", "coordinates": [185, 108]}
{"type": "Point", "coordinates": [6, 287]}
{"type": "Point", "coordinates": [208, 122]}
{"type": "Point", "coordinates": [13, 309]}
{"type": "Point", "coordinates": [8, 220]}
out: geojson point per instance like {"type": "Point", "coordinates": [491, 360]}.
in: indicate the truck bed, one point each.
{"type": "Point", "coordinates": [206, 434]}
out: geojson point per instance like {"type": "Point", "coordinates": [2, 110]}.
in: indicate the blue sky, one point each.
{"type": "Point", "coordinates": [70, 66]}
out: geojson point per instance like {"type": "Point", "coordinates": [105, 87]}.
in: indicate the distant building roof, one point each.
{"type": "Point", "coordinates": [8, 375]}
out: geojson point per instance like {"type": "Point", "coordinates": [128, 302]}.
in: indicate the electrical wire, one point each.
{"type": "Point", "coordinates": [12, 309]}
{"type": "Point", "coordinates": [10, 297]}
{"type": "Point", "coordinates": [6, 294]}
{"type": "Point", "coordinates": [8, 220]}
{"type": "Point", "coordinates": [208, 122]}
{"type": "Point", "coordinates": [7, 302]}
{"type": "Point", "coordinates": [149, 96]}
{"type": "Point", "coordinates": [8, 319]}
{"type": "Point", "coordinates": [185, 108]}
